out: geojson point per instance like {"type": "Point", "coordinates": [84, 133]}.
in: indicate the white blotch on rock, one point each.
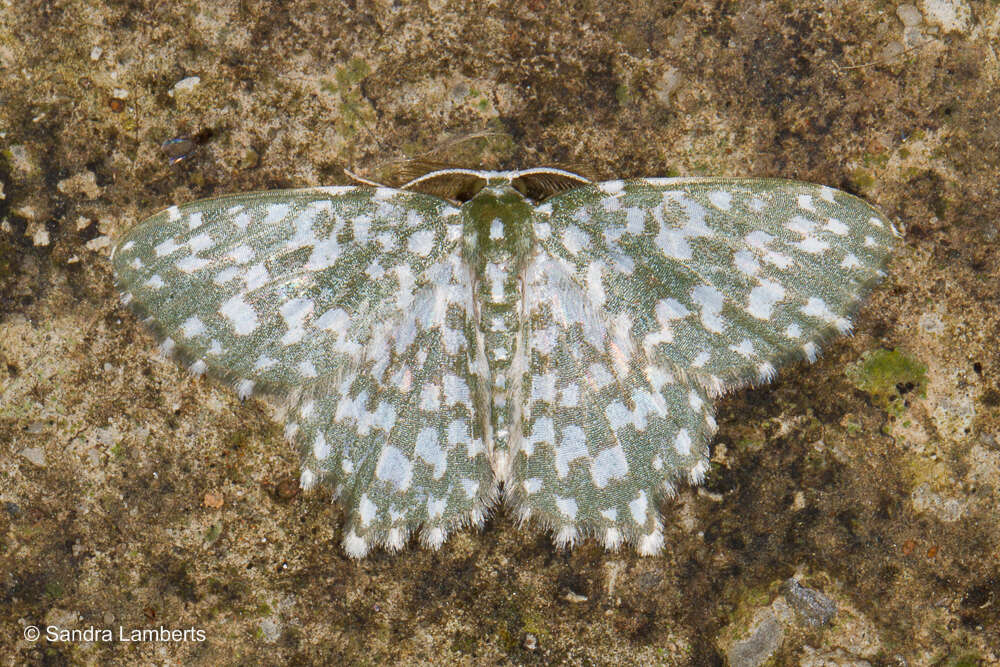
{"type": "Point", "coordinates": [34, 454]}
{"type": "Point", "coordinates": [185, 85]}
{"type": "Point", "coordinates": [82, 183]}
{"type": "Point", "coordinates": [668, 82]}
{"type": "Point", "coordinates": [950, 15]}
{"type": "Point", "coordinates": [944, 508]}
{"type": "Point", "coordinates": [931, 323]}
{"type": "Point", "coordinates": [40, 237]}
{"type": "Point", "coordinates": [909, 15]}
{"type": "Point", "coordinates": [98, 243]}
{"type": "Point", "coordinates": [954, 414]}
{"type": "Point", "coordinates": [270, 630]}
{"type": "Point", "coordinates": [21, 160]}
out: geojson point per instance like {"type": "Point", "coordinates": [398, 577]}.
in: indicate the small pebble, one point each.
{"type": "Point", "coordinates": [41, 237]}
{"type": "Point", "coordinates": [34, 454]}
{"type": "Point", "coordinates": [762, 643]}
{"type": "Point", "coordinates": [185, 85]}
{"type": "Point", "coordinates": [287, 488]}
{"type": "Point", "coordinates": [249, 160]}
{"type": "Point", "coordinates": [909, 15]}
{"type": "Point", "coordinates": [270, 630]}
{"type": "Point", "coordinates": [892, 51]}
{"type": "Point", "coordinates": [177, 149]}
{"type": "Point", "coordinates": [82, 183]}
{"type": "Point", "coordinates": [812, 606]}
{"type": "Point", "coordinates": [98, 243]}
{"type": "Point", "coordinates": [949, 15]}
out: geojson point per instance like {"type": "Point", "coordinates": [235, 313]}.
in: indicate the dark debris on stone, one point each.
{"type": "Point", "coordinates": [812, 607]}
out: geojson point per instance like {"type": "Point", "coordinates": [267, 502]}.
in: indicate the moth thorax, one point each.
{"type": "Point", "coordinates": [497, 226]}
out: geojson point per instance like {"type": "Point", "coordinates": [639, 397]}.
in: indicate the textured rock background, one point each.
{"type": "Point", "coordinates": [134, 495]}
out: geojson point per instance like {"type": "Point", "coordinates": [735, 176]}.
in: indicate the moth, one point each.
{"type": "Point", "coordinates": [558, 353]}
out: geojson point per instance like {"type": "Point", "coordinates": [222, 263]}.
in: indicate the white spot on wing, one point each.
{"type": "Point", "coordinates": [428, 449]}
{"type": "Point", "coordinates": [763, 298]}
{"type": "Point", "coordinates": [366, 510]}
{"type": "Point", "coordinates": [572, 447]}
{"type": "Point", "coordinates": [241, 254]}
{"type": "Point", "coordinates": [394, 469]}
{"type": "Point", "coordinates": [167, 247]}
{"type": "Point", "coordinates": [710, 301]}
{"type": "Point", "coordinates": [276, 213]}
{"type": "Point", "coordinates": [608, 465]}
{"type": "Point", "coordinates": [567, 507]}
{"type": "Point", "coordinates": [455, 390]}
{"type": "Point", "coordinates": [850, 261]}
{"type": "Point", "coordinates": [543, 388]}
{"type": "Point", "coordinates": [745, 262]}
{"type": "Point", "coordinates": [638, 508]}
{"type": "Point", "coordinates": [200, 242]}
{"type": "Point", "coordinates": [574, 239]}
{"type": "Point", "coordinates": [836, 226]}
{"type": "Point", "coordinates": [192, 327]}
{"type": "Point", "coordinates": [682, 443]}
{"type": "Point", "coordinates": [240, 314]}
{"type": "Point", "coordinates": [421, 242]}
{"type": "Point", "coordinates": [320, 447]}
{"type": "Point", "coordinates": [812, 245]}
{"type": "Point", "coordinates": [295, 313]}
{"type": "Point", "coordinates": [720, 199]}
{"type": "Point", "coordinates": [191, 264]}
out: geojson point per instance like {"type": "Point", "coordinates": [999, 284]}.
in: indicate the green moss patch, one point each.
{"type": "Point", "coordinates": [888, 376]}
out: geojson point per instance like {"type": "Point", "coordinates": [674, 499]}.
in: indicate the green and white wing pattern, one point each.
{"type": "Point", "coordinates": [356, 302]}
{"type": "Point", "coordinates": [240, 285]}
{"type": "Point", "coordinates": [606, 430]}
{"type": "Point", "coordinates": [724, 278]}
{"type": "Point", "coordinates": [589, 332]}
{"type": "Point", "coordinates": [398, 435]}
{"type": "Point", "coordinates": [646, 298]}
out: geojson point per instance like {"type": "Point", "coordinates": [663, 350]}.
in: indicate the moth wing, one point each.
{"type": "Point", "coordinates": [724, 278]}
{"type": "Point", "coordinates": [275, 289]}
{"type": "Point", "coordinates": [398, 435]}
{"type": "Point", "coordinates": [606, 430]}
{"type": "Point", "coordinates": [355, 304]}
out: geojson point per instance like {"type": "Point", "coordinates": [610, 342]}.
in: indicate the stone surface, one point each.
{"type": "Point", "coordinates": [116, 533]}
{"type": "Point", "coordinates": [34, 454]}
{"type": "Point", "coordinates": [950, 15]}
{"type": "Point", "coordinates": [812, 607]}
{"type": "Point", "coordinates": [909, 15]}
{"type": "Point", "coordinates": [765, 638]}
